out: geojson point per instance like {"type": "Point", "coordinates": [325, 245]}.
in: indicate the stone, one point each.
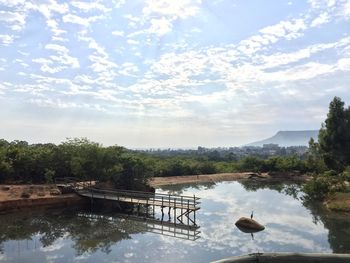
{"type": "Point", "coordinates": [249, 225]}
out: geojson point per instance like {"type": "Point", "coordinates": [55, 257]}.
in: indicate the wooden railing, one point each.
{"type": "Point", "coordinates": [166, 200]}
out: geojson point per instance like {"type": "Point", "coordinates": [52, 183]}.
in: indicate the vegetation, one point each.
{"type": "Point", "coordinates": [330, 157]}
{"type": "Point", "coordinates": [21, 162]}
{"type": "Point", "coordinates": [80, 158]}
{"type": "Point", "coordinates": [334, 136]}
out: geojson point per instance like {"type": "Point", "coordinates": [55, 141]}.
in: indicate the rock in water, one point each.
{"type": "Point", "coordinates": [249, 224]}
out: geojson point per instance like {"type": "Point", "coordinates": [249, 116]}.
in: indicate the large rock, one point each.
{"type": "Point", "coordinates": [248, 225]}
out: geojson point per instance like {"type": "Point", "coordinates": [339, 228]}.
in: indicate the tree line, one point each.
{"type": "Point", "coordinates": [21, 162]}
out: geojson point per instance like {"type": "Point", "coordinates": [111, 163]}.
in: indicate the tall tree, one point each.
{"type": "Point", "coordinates": [334, 136]}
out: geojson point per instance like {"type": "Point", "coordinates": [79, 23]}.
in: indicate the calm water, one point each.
{"type": "Point", "coordinates": [75, 235]}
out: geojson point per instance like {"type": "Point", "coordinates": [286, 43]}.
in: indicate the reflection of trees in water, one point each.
{"type": "Point", "coordinates": [337, 224]}
{"type": "Point", "coordinates": [24, 226]}
{"type": "Point", "coordinates": [89, 234]}
{"type": "Point", "coordinates": [180, 188]}
{"type": "Point", "coordinates": [291, 189]}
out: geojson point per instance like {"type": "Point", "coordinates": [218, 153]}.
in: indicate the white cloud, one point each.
{"type": "Point", "coordinates": [347, 9]}
{"type": "Point", "coordinates": [48, 7]}
{"type": "Point", "coordinates": [6, 40]}
{"type": "Point", "coordinates": [320, 20]}
{"type": "Point", "coordinates": [285, 29]}
{"type": "Point", "coordinates": [15, 20]}
{"type": "Point", "coordinates": [160, 26]}
{"type": "Point", "coordinates": [161, 14]}
{"type": "Point", "coordinates": [128, 69]}
{"type": "Point", "coordinates": [58, 48]}
{"type": "Point", "coordinates": [168, 8]}
{"type": "Point", "coordinates": [58, 62]}
{"type": "Point", "coordinates": [271, 34]}
{"type": "Point", "coordinates": [54, 27]}
{"type": "Point", "coordinates": [90, 6]}
{"type": "Point", "coordinates": [101, 63]}
{"type": "Point", "coordinates": [278, 59]}
{"type": "Point", "coordinates": [83, 21]}
{"type": "Point", "coordinates": [132, 42]}
{"type": "Point", "coordinates": [118, 33]}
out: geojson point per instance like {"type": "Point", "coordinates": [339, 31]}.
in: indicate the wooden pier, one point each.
{"type": "Point", "coordinates": [182, 208]}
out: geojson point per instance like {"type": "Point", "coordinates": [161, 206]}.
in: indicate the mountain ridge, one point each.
{"type": "Point", "coordinates": [288, 138]}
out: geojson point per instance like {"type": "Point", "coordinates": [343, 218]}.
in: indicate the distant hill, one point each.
{"type": "Point", "coordinates": [289, 138]}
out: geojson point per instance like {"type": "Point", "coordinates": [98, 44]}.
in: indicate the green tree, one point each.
{"type": "Point", "coordinates": [314, 160]}
{"type": "Point", "coordinates": [334, 136]}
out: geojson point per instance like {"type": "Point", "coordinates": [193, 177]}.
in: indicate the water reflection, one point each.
{"type": "Point", "coordinates": [48, 226]}
{"type": "Point", "coordinates": [89, 231]}
{"type": "Point", "coordinates": [74, 234]}
{"type": "Point", "coordinates": [292, 223]}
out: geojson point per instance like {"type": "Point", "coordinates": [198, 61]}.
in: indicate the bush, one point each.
{"type": "Point", "coordinates": [326, 183]}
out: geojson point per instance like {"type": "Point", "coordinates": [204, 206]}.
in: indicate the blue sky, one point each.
{"type": "Point", "coordinates": [164, 73]}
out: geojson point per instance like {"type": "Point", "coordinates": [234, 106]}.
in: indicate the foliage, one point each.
{"type": "Point", "coordinates": [314, 160]}
{"type": "Point", "coordinates": [80, 158]}
{"type": "Point", "coordinates": [327, 183]}
{"type": "Point", "coordinates": [331, 152]}
{"type": "Point", "coordinates": [86, 160]}
{"type": "Point", "coordinates": [334, 136]}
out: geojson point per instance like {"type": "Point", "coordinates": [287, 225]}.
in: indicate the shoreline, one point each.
{"type": "Point", "coordinates": [222, 177]}
{"type": "Point", "coordinates": [12, 197]}
{"type": "Point", "coordinates": [19, 197]}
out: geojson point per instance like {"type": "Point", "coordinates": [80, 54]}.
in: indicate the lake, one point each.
{"type": "Point", "coordinates": [98, 235]}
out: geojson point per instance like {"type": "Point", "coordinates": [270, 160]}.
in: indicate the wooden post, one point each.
{"type": "Point", "coordinates": [182, 204]}
{"type": "Point", "coordinates": [188, 212]}
{"type": "Point", "coordinates": [194, 217]}
{"type": "Point", "coordinates": [194, 211]}
{"type": "Point", "coordinates": [175, 211]}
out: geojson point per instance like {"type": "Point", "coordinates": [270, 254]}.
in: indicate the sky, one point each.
{"type": "Point", "coordinates": [165, 73]}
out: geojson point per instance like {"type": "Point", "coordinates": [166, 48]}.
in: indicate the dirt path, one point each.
{"type": "Point", "coordinates": [203, 178]}
{"type": "Point", "coordinates": [18, 197]}
{"type": "Point", "coordinates": [15, 192]}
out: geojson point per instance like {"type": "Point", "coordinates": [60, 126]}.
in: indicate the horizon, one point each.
{"type": "Point", "coordinates": [164, 74]}
{"type": "Point", "coordinates": [178, 148]}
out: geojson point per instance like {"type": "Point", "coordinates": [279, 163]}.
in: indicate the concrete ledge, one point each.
{"type": "Point", "coordinates": [288, 258]}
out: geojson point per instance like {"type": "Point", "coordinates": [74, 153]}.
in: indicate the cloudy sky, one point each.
{"type": "Point", "coordinates": [165, 73]}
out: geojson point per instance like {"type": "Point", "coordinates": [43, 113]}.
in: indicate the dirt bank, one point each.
{"type": "Point", "coordinates": [339, 202]}
{"type": "Point", "coordinates": [15, 197]}
{"type": "Point", "coordinates": [203, 178]}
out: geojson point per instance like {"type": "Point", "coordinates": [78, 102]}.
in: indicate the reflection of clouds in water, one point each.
{"type": "Point", "coordinates": [289, 227]}
{"type": "Point", "coordinates": [59, 243]}
{"type": "Point", "coordinates": [128, 255]}
{"type": "Point", "coordinates": [287, 238]}
{"type": "Point", "coordinates": [288, 223]}
{"type": "Point", "coordinates": [3, 258]}
{"type": "Point", "coordinates": [82, 257]}
{"type": "Point", "coordinates": [53, 258]}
